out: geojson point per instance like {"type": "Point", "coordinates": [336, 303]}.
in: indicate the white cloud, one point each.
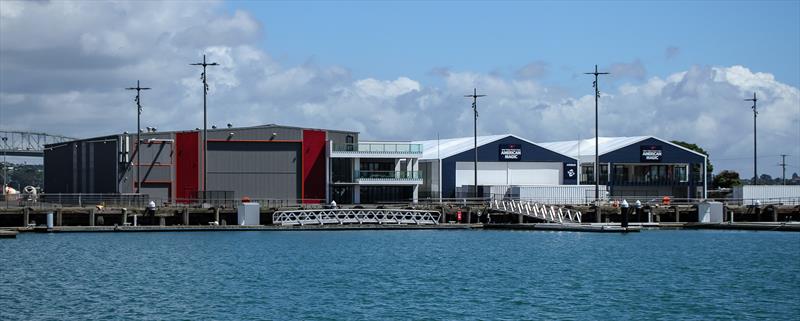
{"type": "Point", "coordinates": [68, 80]}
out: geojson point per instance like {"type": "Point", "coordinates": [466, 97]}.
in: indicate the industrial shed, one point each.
{"type": "Point", "coordinates": [643, 166]}
{"type": "Point", "coordinates": [260, 162]}
{"type": "Point", "coordinates": [503, 160]}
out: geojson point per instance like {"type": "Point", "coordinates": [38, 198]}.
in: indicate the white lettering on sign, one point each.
{"type": "Point", "coordinates": [651, 154]}
{"type": "Point", "coordinates": [511, 153]}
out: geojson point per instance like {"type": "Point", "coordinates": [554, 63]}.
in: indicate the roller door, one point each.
{"type": "Point", "coordinates": [508, 173]}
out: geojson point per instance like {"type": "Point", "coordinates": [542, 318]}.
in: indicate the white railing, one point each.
{"type": "Point", "coordinates": [355, 216]}
{"type": "Point", "coordinates": [548, 213]}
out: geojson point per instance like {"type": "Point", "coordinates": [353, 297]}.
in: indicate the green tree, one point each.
{"type": "Point", "coordinates": [726, 179]}
{"type": "Point", "coordinates": [698, 149]}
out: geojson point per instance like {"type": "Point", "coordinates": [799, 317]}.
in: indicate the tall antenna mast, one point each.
{"type": "Point", "coordinates": [755, 145]}
{"type": "Point", "coordinates": [138, 101]}
{"type": "Point", "coordinates": [475, 132]}
{"type": "Point", "coordinates": [596, 139]}
{"type": "Point", "coordinates": [204, 77]}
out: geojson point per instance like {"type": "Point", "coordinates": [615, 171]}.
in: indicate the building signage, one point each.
{"type": "Point", "coordinates": [570, 170]}
{"type": "Point", "coordinates": [510, 152]}
{"type": "Point", "coordinates": [650, 154]}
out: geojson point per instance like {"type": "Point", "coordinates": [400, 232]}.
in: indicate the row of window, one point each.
{"type": "Point", "coordinates": [644, 174]}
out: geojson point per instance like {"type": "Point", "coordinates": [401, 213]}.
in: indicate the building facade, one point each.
{"type": "Point", "coordinates": [643, 166]}
{"type": "Point", "coordinates": [375, 172]}
{"type": "Point", "coordinates": [503, 160]}
{"type": "Point", "coordinates": [260, 162]}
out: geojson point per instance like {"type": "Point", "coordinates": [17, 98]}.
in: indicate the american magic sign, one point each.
{"type": "Point", "coordinates": [510, 152]}
{"type": "Point", "coordinates": [650, 154]}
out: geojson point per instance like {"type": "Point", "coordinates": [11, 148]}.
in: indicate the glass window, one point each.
{"type": "Point", "coordinates": [681, 173]}
{"type": "Point", "coordinates": [349, 143]}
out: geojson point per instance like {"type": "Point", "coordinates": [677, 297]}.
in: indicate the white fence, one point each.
{"type": "Point", "coordinates": [549, 194]}
{"type": "Point", "coordinates": [767, 194]}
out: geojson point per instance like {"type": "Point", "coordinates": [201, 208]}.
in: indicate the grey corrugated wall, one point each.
{"type": "Point", "coordinates": [255, 169]}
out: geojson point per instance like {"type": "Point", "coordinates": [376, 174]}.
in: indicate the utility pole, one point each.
{"type": "Point", "coordinates": [5, 167]}
{"type": "Point", "coordinates": [138, 101]}
{"type": "Point", "coordinates": [475, 131]}
{"type": "Point", "coordinates": [783, 165]}
{"type": "Point", "coordinates": [755, 145]}
{"type": "Point", "coordinates": [205, 118]}
{"type": "Point", "coordinates": [596, 135]}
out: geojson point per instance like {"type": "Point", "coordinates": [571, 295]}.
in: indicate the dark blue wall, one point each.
{"type": "Point", "coordinates": [84, 166]}
{"type": "Point", "coordinates": [670, 154]}
{"type": "Point", "coordinates": [491, 153]}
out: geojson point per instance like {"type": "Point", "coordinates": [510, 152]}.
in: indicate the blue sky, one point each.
{"type": "Point", "coordinates": [399, 70]}
{"type": "Point", "coordinates": [391, 39]}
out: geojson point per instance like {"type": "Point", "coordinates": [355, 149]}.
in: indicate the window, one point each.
{"type": "Point", "coordinates": [681, 173]}
{"type": "Point", "coordinates": [349, 143]}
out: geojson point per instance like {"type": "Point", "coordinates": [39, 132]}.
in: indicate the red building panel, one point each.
{"type": "Point", "coordinates": [187, 169]}
{"type": "Point", "coordinates": [313, 187]}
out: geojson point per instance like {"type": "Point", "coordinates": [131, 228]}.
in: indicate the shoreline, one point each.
{"type": "Point", "coordinates": [591, 227]}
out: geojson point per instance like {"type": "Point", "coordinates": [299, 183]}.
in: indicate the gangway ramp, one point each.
{"type": "Point", "coordinates": [355, 216]}
{"type": "Point", "coordinates": [547, 213]}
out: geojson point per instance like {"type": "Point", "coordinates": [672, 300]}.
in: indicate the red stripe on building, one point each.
{"type": "Point", "coordinates": [313, 188]}
{"type": "Point", "coordinates": [187, 151]}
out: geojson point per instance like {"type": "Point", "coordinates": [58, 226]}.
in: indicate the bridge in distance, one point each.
{"type": "Point", "coordinates": [20, 143]}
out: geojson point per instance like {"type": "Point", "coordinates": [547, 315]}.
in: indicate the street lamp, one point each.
{"type": "Point", "coordinates": [475, 97]}
{"type": "Point", "coordinates": [5, 167]}
{"type": "Point", "coordinates": [596, 139]}
{"type": "Point", "coordinates": [204, 77]}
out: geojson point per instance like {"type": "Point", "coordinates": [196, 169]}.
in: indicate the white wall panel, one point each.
{"type": "Point", "coordinates": [530, 173]}
{"type": "Point", "coordinates": [509, 173]}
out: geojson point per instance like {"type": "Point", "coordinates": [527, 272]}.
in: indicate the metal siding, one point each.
{"type": "Point", "coordinates": [282, 134]}
{"type": "Point", "coordinates": [158, 193]}
{"type": "Point", "coordinates": [58, 169]}
{"type": "Point", "coordinates": [187, 171]}
{"type": "Point", "coordinates": [766, 192]}
{"type": "Point", "coordinates": [313, 184]}
{"type": "Point", "coordinates": [104, 159]}
{"type": "Point", "coordinates": [156, 153]}
{"type": "Point", "coordinates": [341, 137]}
{"type": "Point", "coordinates": [255, 169]}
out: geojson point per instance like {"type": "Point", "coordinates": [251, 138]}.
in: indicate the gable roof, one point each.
{"type": "Point", "coordinates": [584, 149]}
{"type": "Point", "coordinates": [444, 148]}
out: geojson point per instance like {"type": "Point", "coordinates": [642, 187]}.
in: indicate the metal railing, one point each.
{"type": "Point", "coordinates": [356, 216]}
{"type": "Point", "coordinates": [539, 211]}
{"type": "Point", "coordinates": [379, 148]}
{"type": "Point", "coordinates": [56, 200]}
{"type": "Point", "coordinates": [53, 200]}
{"type": "Point", "coordinates": [410, 175]}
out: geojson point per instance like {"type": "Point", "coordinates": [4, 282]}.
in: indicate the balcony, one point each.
{"type": "Point", "coordinates": [376, 150]}
{"type": "Point", "coordinates": [387, 177]}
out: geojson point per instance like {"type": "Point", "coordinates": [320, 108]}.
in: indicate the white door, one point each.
{"type": "Point", "coordinates": [528, 173]}
{"type": "Point", "coordinates": [509, 173]}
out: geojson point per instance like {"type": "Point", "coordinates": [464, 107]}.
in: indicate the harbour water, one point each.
{"type": "Point", "coordinates": [368, 275]}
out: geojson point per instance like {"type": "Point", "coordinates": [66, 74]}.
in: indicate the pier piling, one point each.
{"type": "Point", "coordinates": [185, 216]}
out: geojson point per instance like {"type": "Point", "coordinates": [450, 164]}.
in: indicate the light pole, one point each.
{"type": "Point", "coordinates": [596, 135]}
{"type": "Point", "coordinates": [755, 145]}
{"type": "Point", "coordinates": [205, 118]}
{"type": "Point", "coordinates": [475, 132]}
{"type": "Point", "coordinates": [138, 101]}
{"type": "Point", "coordinates": [5, 167]}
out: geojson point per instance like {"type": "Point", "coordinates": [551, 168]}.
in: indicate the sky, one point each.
{"type": "Point", "coordinates": [399, 70]}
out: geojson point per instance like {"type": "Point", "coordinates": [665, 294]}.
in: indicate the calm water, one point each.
{"type": "Point", "coordinates": [337, 275]}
